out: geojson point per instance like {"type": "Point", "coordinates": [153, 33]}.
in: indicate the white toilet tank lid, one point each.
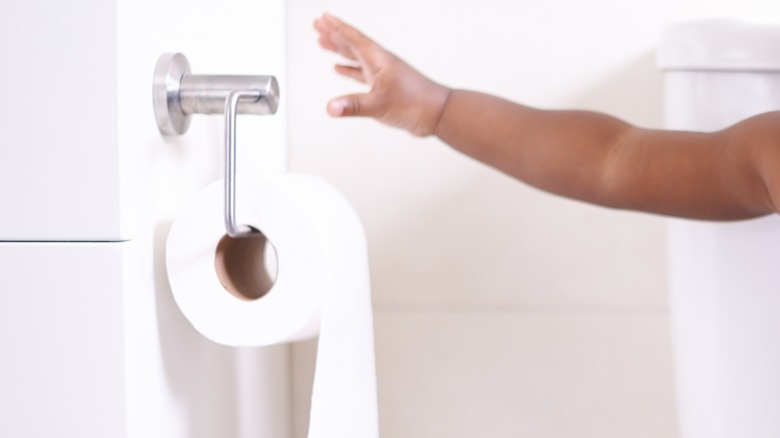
{"type": "Point", "coordinates": [721, 44]}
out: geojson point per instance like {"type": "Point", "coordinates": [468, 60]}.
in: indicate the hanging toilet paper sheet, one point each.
{"type": "Point", "coordinates": [321, 288]}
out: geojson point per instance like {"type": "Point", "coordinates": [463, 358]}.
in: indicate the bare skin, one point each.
{"type": "Point", "coordinates": [725, 175]}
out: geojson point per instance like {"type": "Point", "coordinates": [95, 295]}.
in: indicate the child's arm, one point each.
{"type": "Point", "coordinates": [583, 155]}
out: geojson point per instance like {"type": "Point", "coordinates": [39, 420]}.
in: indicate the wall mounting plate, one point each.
{"type": "Point", "coordinates": [168, 73]}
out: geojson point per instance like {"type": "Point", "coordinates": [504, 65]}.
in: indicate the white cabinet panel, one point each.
{"type": "Point", "coordinates": [62, 340]}
{"type": "Point", "coordinates": [60, 164]}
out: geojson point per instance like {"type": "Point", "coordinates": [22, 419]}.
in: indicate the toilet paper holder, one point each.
{"type": "Point", "coordinates": [177, 94]}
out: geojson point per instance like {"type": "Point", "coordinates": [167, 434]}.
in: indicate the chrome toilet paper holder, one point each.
{"type": "Point", "coordinates": [177, 94]}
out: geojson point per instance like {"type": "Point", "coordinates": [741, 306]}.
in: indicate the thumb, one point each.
{"type": "Point", "coordinates": [364, 105]}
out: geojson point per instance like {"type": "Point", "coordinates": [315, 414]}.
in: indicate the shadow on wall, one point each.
{"type": "Point", "coordinates": [633, 93]}
{"type": "Point", "coordinates": [196, 369]}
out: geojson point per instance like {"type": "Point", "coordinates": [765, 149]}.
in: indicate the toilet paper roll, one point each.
{"type": "Point", "coordinates": [321, 287]}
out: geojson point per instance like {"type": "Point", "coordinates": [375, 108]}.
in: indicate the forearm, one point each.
{"type": "Point", "coordinates": [564, 152]}
{"type": "Point", "coordinates": [599, 159]}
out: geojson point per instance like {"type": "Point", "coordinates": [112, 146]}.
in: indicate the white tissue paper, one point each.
{"type": "Point", "coordinates": [321, 288]}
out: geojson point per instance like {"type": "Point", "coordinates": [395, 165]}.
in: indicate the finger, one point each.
{"type": "Point", "coordinates": [364, 105]}
{"type": "Point", "coordinates": [323, 26]}
{"type": "Point", "coordinates": [364, 55]}
{"type": "Point", "coordinates": [350, 36]}
{"type": "Point", "coordinates": [325, 34]}
{"type": "Point", "coordinates": [351, 42]}
{"type": "Point", "coordinates": [356, 73]}
{"type": "Point", "coordinates": [328, 44]}
{"type": "Point", "coordinates": [335, 24]}
{"type": "Point", "coordinates": [328, 27]}
{"type": "Point", "coordinates": [327, 41]}
{"type": "Point", "coordinates": [326, 22]}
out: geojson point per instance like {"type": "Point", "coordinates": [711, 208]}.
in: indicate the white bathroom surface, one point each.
{"type": "Point", "coordinates": [60, 164]}
{"type": "Point", "coordinates": [720, 44]}
{"type": "Point", "coordinates": [61, 325]}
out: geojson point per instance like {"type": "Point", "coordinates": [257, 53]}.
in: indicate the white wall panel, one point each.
{"type": "Point", "coordinates": [60, 175]}
{"type": "Point", "coordinates": [61, 332]}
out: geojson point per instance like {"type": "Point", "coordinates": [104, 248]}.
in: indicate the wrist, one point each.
{"type": "Point", "coordinates": [442, 99]}
{"type": "Point", "coordinates": [431, 109]}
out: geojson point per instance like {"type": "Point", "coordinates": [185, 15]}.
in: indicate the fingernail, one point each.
{"type": "Point", "coordinates": [336, 107]}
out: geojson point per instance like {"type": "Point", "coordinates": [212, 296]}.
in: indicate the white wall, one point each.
{"type": "Point", "coordinates": [60, 60]}
{"type": "Point", "coordinates": [93, 343]}
{"type": "Point", "coordinates": [500, 310]}
{"type": "Point", "coordinates": [59, 181]}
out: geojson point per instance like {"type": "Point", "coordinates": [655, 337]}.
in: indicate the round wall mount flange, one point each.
{"type": "Point", "coordinates": [168, 72]}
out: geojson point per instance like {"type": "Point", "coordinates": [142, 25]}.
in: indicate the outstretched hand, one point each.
{"type": "Point", "coordinates": [399, 95]}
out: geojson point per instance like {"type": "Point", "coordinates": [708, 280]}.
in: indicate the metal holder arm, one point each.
{"type": "Point", "coordinates": [177, 95]}
{"type": "Point", "coordinates": [231, 108]}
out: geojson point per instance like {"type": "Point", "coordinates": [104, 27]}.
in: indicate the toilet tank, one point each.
{"type": "Point", "coordinates": [724, 282]}
{"type": "Point", "coordinates": [718, 72]}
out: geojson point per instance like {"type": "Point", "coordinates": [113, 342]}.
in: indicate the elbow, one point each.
{"type": "Point", "coordinates": [618, 171]}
